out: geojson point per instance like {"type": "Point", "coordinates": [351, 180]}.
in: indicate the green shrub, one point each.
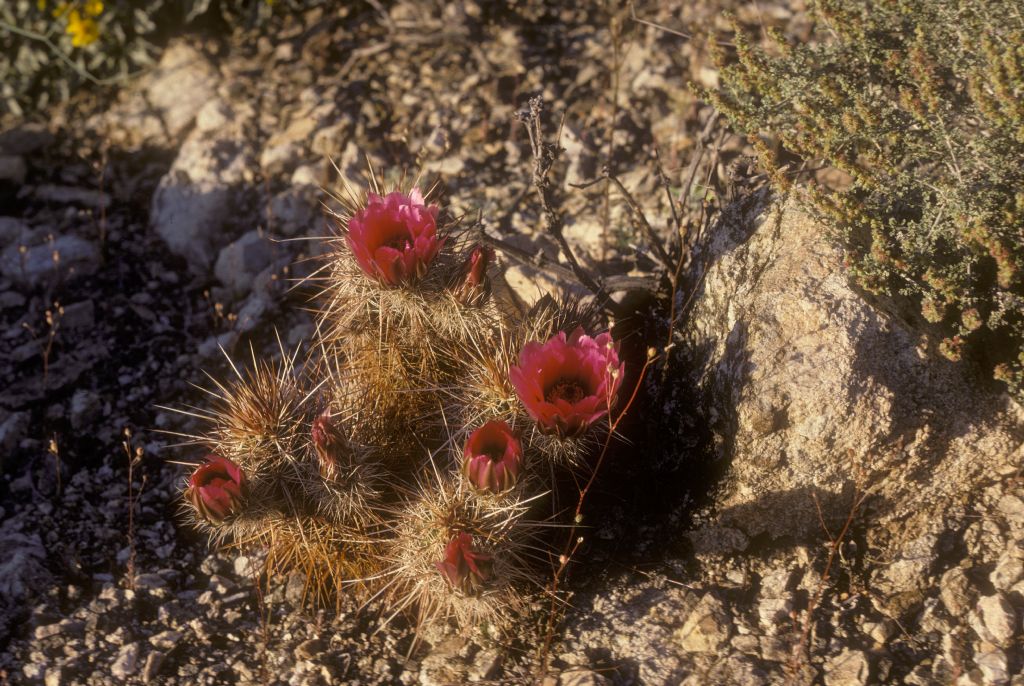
{"type": "Point", "coordinates": [49, 49]}
{"type": "Point", "coordinates": [921, 103]}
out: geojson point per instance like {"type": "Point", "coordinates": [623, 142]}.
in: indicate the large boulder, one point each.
{"type": "Point", "coordinates": [815, 396]}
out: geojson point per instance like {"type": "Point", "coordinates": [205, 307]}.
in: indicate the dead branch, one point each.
{"type": "Point", "coordinates": [545, 155]}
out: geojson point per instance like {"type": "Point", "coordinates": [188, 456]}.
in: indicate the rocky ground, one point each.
{"type": "Point", "coordinates": [822, 499]}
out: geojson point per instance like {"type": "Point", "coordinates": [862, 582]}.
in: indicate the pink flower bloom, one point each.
{"type": "Point", "coordinates": [216, 488]}
{"type": "Point", "coordinates": [568, 384]}
{"type": "Point", "coordinates": [475, 285]}
{"type": "Point", "coordinates": [328, 443]}
{"type": "Point", "coordinates": [492, 457]}
{"type": "Point", "coordinates": [394, 238]}
{"type": "Point", "coordinates": [463, 567]}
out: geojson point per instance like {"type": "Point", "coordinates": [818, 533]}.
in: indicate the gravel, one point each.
{"type": "Point", "coordinates": [213, 160]}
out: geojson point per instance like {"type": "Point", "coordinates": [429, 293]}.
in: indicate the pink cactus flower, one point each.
{"type": "Point", "coordinates": [568, 383]}
{"type": "Point", "coordinates": [328, 443]}
{"type": "Point", "coordinates": [216, 488]}
{"type": "Point", "coordinates": [475, 285]}
{"type": "Point", "coordinates": [394, 238]}
{"type": "Point", "coordinates": [492, 457]}
{"type": "Point", "coordinates": [463, 567]}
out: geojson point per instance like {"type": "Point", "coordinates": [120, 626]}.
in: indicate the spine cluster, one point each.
{"type": "Point", "coordinates": [413, 454]}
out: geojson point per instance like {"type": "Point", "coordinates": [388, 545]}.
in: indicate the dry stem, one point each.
{"type": "Point", "coordinates": [544, 157]}
{"type": "Point", "coordinates": [573, 541]}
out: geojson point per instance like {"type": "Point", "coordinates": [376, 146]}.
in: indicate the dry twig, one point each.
{"type": "Point", "coordinates": [545, 155]}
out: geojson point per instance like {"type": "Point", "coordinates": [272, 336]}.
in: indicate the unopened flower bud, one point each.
{"type": "Point", "coordinates": [492, 457]}
{"type": "Point", "coordinates": [329, 444]}
{"type": "Point", "coordinates": [475, 285]}
{"type": "Point", "coordinates": [216, 489]}
{"type": "Point", "coordinates": [463, 567]}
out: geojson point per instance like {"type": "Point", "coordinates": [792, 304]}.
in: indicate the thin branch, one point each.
{"type": "Point", "coordinates": [677, 221]}
{"type": "Point", "coordinates": [540, 261]}
{"type": "Point", "coordinates": [632, 15]}
{"type": "Point", "coordinates": [32, 35]}
{"type": "Point", "coordinates": [544, 157]}
{"type": "Point", "coordinates": [638, 213]}
{"type": "Point", "coordinates": [573, 541]}
{"type": "Point", "coordinates": [802, 646]}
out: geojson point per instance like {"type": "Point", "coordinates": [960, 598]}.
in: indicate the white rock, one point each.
{"type": "Point", "coordinates": [38, 266]}
{"type": "Point", "coordinates": [213, 345]}
{"type": "Point", "coordinates": [773, 614]}
{"type": "Point", "coordinates": [994, 619]}
{"type": "Point", "coordinates": [213, 116]}
{"type": "Point", "coordinates": [294, 210]}
{"type": "Point", "coordinates": [280, 158]}
{"type": "Point", "coordinates": [165, 640]}
{"type": "Point", "coordinates": [582, 677]}
{"type": "Point", "coordinates": [181, 84]}
{"type": "Point", "coordinates": [707, 628]}
{"type": "Point", "coordinates": [196, 200]}
{"type": "Point", "coordinates": [85, 407]}
{"type": "Point", "coordinates": [154, 660]}
{"type": "Point", "coordinates": [778, 325]}
{"type": "Point", "coordinates": [848, 668]}
{"type": "Point", "coordinates": [1009, 569]}
{"type": "Point", "coordinates": [307, 175]}
{"type": "Point", "coordinates": [527, 285]}
{"type": "Point", "coordinates": [12, 429]}
{"type": "Point", "coordinates": [252, 312]}
{"type": "Point", "coordinates": [127, 661]}
{"type": "Point", "coordinates": [1012, 507]}
{"type": "Point", "coordinates": [240, 262]}
{"type": "Point", "coordinates": [993, 666]}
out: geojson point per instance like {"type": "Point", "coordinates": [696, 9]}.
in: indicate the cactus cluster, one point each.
{"type": "Point", "coordinates": [413, 454]}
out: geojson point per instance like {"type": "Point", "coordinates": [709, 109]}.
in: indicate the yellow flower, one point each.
{"type": "Point", "coordinates": [93, 8]}
{"type": "Point", "coordinates": [60, 10]}
{"type": "Point", "coordinates": [82, 31]}
{"type": "Point", "coordinates": [41, 4]}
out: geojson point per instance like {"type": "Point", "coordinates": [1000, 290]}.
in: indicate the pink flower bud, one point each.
{"type": "Point", "coordinates": [328, 443]}
{"type": "Point", "coordinates": [463, 567]}
{"type": "Point", "coordinates": [475, 285]}
{"type": "Point", "coordinates": [492, 457]}
{"type": "Point", "coordinates": [394, 238]}
{"type": "Point", "coordinates": [216, 488]}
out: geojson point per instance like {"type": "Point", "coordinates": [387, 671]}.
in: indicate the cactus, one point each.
{"type": "Point", "coordinates": [412, 454]}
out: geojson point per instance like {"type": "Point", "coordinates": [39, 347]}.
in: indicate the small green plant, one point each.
{"type": "Point", "coordinates": [921, 104]}
{"type": "Point", "coordinates": [48, 50]}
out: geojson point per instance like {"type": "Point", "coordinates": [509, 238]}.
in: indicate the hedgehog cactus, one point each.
{"type": "Point", "coordinates": [412, 451]}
